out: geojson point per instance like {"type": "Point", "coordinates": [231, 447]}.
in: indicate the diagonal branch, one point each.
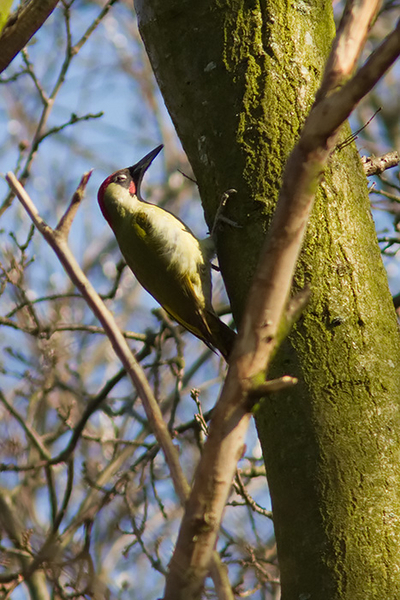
{"type": "Point", "coordinates": [350, 39]}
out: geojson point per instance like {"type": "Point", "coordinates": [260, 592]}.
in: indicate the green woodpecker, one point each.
{"type": "Point", "coordinates": [164, 255]}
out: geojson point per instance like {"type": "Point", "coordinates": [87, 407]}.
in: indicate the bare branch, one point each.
{"type": "Point", "coordinates": [49, 330]}
{"type": "Point", "coordinates": [272, 386]}
{"type": "Point", "coordinates": [351, 138]}
{"type": "Point", "coordinates": [375, 165]}
{"type": "Point", "coordinates": [75, 49]}
{"type": "Point", "coordinates": [248, 500]}
{"type": "Point", "coordinates": [31, 434]}
{"type": "Point", "coordinates": [65, 223]}
{"type": "Point", "coordinates": [72, 121]}
{"type": "Point", "coordinates": [327, 116]}
{"type": "Point", "coordinates": [221, 581]}
{"type": "Point", "coordinates": [31, 72]}
{"type": "Point", "coordinates": [352, 32]}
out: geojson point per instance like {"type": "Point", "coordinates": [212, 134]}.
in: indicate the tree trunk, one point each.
{"type": "Point", "coordinates": [238, 81]}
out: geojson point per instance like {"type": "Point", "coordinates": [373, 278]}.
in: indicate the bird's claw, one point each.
{"type": "Point", "coordinates": [219, 217]}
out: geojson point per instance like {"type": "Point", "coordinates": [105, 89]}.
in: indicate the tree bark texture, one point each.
{"type": "Point", "coordinates": [238, 78]}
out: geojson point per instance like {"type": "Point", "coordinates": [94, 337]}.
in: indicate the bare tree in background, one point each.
{"type": "Point", "coordinates": [90, 499]}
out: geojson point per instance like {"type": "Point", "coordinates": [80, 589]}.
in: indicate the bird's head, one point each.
{"type": "Point", "coordinates": [124, 185]}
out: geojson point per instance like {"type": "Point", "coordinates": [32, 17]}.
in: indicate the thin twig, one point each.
{"type": "Point", "coordinates": [48, 331]}
{"type": "Point", "coordinates": [352, 138]}
{"type": "Point", "coordinates": [65, 222]}
{"type": "Point", "coordinates": [75, 49]}
{"type": "Point", "coordinates": [72, 121]}
{"type": "Point", "coordinates": [67, 495]}
{"type": "Point", "coordinates": [31, 434]}
{"type": "Point", "coordinates": [387, 195]}
{"type": "Point", "coordinates": [249, 501]}
{"type": "Point", "coordinates": [31, 72]}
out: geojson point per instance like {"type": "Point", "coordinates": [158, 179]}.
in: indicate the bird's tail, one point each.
{"type": "Point", "coordinates": [222, 336]}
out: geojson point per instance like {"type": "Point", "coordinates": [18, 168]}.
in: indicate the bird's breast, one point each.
{"type": "Point", "coordinates": [169, 238]}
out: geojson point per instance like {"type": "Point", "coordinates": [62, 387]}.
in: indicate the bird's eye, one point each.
{"type": "Point", "coordinates": [120, 178]}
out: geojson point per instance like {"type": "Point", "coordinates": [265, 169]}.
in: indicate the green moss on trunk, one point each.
{"type": "Point", "coordinates": [238, 78]}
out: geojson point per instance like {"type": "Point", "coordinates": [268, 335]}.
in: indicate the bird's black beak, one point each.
{"type": "Point", "coordinates": [139, 169]}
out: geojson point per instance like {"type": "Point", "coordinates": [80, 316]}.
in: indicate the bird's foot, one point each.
{"type": "Point", "coordinates": [220, 217]}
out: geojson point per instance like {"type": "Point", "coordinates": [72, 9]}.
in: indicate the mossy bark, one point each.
{"type": "Point", "coordinates": [238, 78]}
